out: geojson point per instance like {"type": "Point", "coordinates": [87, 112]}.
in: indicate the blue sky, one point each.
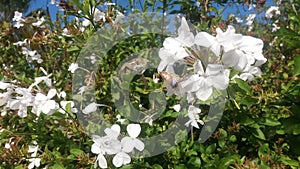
{"type": "Point", "coordinates": [231, 9]}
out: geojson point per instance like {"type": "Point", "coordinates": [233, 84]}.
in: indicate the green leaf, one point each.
{"type": "Point", "coordinates": [296, 129]}
{"type": "Point", "coordinates": [289, 162]}
{"type": "Point", "coordinates": [280, 132]}
{"type": "Point", "coordinates": [243, 85]}
{"type": "Point", "coordinates": [76, 151]}
{"type": "Point", "coordinates": [259, 134]}
{"type": "Point", "coordinates": [57, 166]}
{"type": "Point", "coordinates": [194, 162]}
{"type": "Point", "coordinates": [245, 120]}
{"type": "Point", "coordinates": [232, 138]}
{"type": "Point", "coordinates": [68, 107]}
{"type": "Point", "coordinates": [227, 161]}
{"type": "Point", "coordinates": [221, 143]}
{"type": "Point", "coordinates": [264, 150]}
{"type": "Point", "coordinates": [297, 65]}
{"type": "Point", "coordinates": [271, 122]}
{"type": "Point", "coordinates": [180, 166]}
{"type": "Point", "coordinates": [157, 166]}
{"type": "Point", "coordinates": [210, 149]}
{"type": "Point", "coordinates": [73, 49]}
{"type": "Point", "coordinates": [129, 166]}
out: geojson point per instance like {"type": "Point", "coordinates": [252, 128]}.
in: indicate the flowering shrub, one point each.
{"type": "Point", "coordinates": [232, 87]}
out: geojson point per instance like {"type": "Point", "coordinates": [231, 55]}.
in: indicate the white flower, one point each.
{"type": "Point", "coordinates": [4, 85]}
{"type": "Point", "coordinates": [109, 3]}
{"type": "Point", "coordinates": [62, 94]}
{"type": "Point", "coordinates": [238, 20]}
{"type": "Point", "coordinates": [18, 16]}
{"type": "Point", "coordinates": [113, 132]}
{"type": "Point", "coordinates": [119, 17]}
{"type": "Point", "coordinates": [122, 121]}
{"type": "Point", "coordinates": [275, 27]}
{"type": "Point", "coordinates": [121, 158]}
{"type": "Point", "coordinates": [39, 22]}
{"type": "Point", "coordinates": [202, 82]}
{"type": "Point", "coordinates": [7, 146]}
{"type": "Point", "coordinates": [228, 40]}
{"type": "Point", "coordinates": [93, 58]}
{"type": "Point", "coordinates": [249, 73]}
{"type": "Point", "coordinates": [33, 150]}
{"type": "Point", "coordinates": [4, 97]}
{"type": "Point", "coordinates": [64, 106]}
{"type": "Point", "coordinates": [92, 107]}
{"type": "Point", "coordinates": [174, 48]}
{"type": "Point", "coordinates": [21, 43]}
{"type": "Point", "coordinates": [131, 142]}
{"type": "Point", "coordinates": [177, 107]}
{"type": "Point", "coordinates": [247, 52]}
{"type": "Point", "coordinates": [65, 32]}
{"type": "Point", "coordinates": [18, 25]}
{"type": "Point", "coordinates": [239, 51]}
{"type": "Point", "coordinates": [73, 67]}
{"type": "Point", "coordinates": [86, 22]}
{"type": "Point", "coordinates": [106, 145]}
{"type": "Point", "coordinates": [82, 89]}
{"type": "Point", "coordinates": [38, 80]}
{"type": "Point", "coordinates": [22, 101]}
{"type": "Point", "coordinates": [44, 103]}
{"type": "Point", "coordinates": [98, 15]}
{"type": "Point", "coordinates": [271, 11]}
{"type": "Point", "coordinates": [149, 118]}
{"type": "Point", "coordinates": [250, 19]}
{"type": "Point", "coordinates": [31, 55]}
{"type": "Point", "coordinates": [193, 114]}
{"type": "Point", "coordinates": [100, 161]}
{"type": "Point", "coordinates": [34, 162]}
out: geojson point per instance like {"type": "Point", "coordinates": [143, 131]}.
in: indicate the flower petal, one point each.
{"type": "Point", "coordinates": [96, 149]}
{"type": "Point", "coordinates": [206, 40]}
{"type": "Point", "coordinates": [51, 93]}
{"type": "Point", "coordinates": [204, 92]}
{"type": "Point", "coordinates": [121, 159]}
{"type": "Point", "coordinates": [133, 130]}
{"type": "Point", "coordinates": [138, 144]}
{"type": "Point", "coordinates": [102, 161]}
{"type": "Point", "coordinates": [128, 144]}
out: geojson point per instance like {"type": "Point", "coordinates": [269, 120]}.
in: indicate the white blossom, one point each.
{"type": "Point", "coordinates": [39, 22]}
{"type": "Point", "coordinates": [92, 107]}
{"type": "Point", "coordinates": [177, 107]}
{"type": "Point", "coordinates": [203, 82]}
{"type": "Point", "coordinates": [273, 10]}
{"type": "Point", "coordinates": [194, 118]}
{"type": "Point", "coordinates": [131, 142]}
{"type": "Point", "coordinates": [18, 16]}
{"type": "Point", "coordinates": [44, 103]}
{"type": "Point", "coordinates": [31, 55]}
{"type": "Point", "coordinates": [174, 48]}
{"type": "Point", "coordinates": [98, 15]}
{"type": "Point", "coordinates": [73, 67]}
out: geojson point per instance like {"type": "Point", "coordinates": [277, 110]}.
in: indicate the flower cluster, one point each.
{"type": "Point", "coordinates": [227, 50]}
{"type": "Point", "coordinates": [270, 13]}
{"type": "Point", "coordinates": [20, 98]}
{"type": "Point", "coordinates": [111, 145]}
{"type": "Point", "coordinates": [34, 160]}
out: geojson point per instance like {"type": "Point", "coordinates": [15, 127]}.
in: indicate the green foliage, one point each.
{"type": "Point", "coordinates": [259, 129]}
